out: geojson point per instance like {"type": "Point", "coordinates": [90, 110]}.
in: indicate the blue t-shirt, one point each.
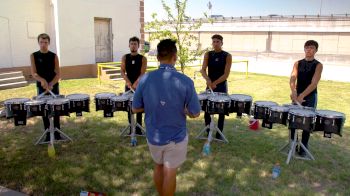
{"type": "Point", "coordinates": [164, 94]}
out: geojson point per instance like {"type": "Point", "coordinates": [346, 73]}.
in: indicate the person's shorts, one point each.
{"type": "Point", "coordinates": [171, 155]}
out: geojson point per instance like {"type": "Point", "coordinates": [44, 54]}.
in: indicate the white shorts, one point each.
{"type": "Point", "coordinates": [171, 155]}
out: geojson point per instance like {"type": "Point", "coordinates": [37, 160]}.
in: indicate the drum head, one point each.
{"type": "Point", "coordinates": [202, 96]}
{"type": "Point", "coordinates": [330, 114]}
{"type": "Point", "coordinates": [78, 97]}
{"type": "Point", "coordinates": [104, 95]}
{"type": "Point", "coordinates": [265, 103]}
{"type": "Point", "coordinates": [219, 98]}
{"type": "Point", "coordinates": [16, 101]}
{"type": "Point", "coordinates": [291, 106]}
{"type": "Point", "coordinates": [279, 108]}
{"type": "Point", "coordinates": [58, 101]}
{"type": "Point", "coordinates": [34, 102]}
{"type": "Point", "coordinates": [120, 98]}
{"type": "Point", "coordinates": [302, 112]}
{"type": "Point", "coordinates": [241, 97]}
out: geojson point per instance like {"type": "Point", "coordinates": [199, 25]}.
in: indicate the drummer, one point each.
{"type": "Point", "coordinates": [303, 84]}
{"type": "Point", "coordinates": [45, 70]}
{"type": "Point", "coordinates": [218, 63]}
{"type": "Point", "coordinates": [132, 68]}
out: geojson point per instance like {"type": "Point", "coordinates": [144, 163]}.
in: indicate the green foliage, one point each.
{"type": "Point", "coordinates": [178, 26]}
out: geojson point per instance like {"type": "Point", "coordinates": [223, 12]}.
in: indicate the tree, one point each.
{"type": "Point", "coordinates": [178, 26]}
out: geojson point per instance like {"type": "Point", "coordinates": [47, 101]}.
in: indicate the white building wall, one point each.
{"type": "Point", "coordinates": [76, 27]}
{"type": "Point", "coordinates": [20, 23]}
{"type": "Point", "coordinates": [22, 20]}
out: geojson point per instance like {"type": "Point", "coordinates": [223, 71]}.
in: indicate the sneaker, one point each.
{"type": "Point", "coordinates": [219, 137]}
{"type": "Point", "coordinates": [57, 135]}
{"type": "Point", "coordinates": [302, 152]}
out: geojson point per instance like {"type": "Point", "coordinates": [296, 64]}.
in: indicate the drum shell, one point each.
{"type": "Point", "coordinates": [260, 112]}
{"type": "Point", "coordinates": [79, 106]}
{"type": "Point", "coordinates": [120, 105]}
{"type": "Point", "coordinates": [218, 107]}
{"type": "Point", "coordinates": [329, 124]}
{"type": "Point", "coordinates": [203, 103]}
{"type": "Point", "coordinates": [240, 106]}
{"type": "Point", "coordinates": [58, 109]}
{"type": "Point", "coordinates": [36, 110]}
{"type": "Point", "coordinates": [103, 104]}
{"type": "Point", "coordinates": [296, 121]}
{"type": "Point", "coordinates": [14, 110]}
{"type": "Point", "coordinates": [279, 117]}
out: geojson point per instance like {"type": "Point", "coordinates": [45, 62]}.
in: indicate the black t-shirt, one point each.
{"type": "Point", "coordinates": [133, 65]}
{"type": "Point", "coordinates": [45, 65]}
{"type": "Point", "coordinates": [216, 64]}
{"type": "Point", "coordinates": [306, 71]}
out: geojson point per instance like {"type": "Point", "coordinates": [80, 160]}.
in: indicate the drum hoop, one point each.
{"type": "Point", "coordinates": [34, 103]}
{"type": "Point", "coordinates": [297, 112]}
{"type": "Point", "coordinates": [341, 115]}
{"type": "Point", "coordinates": [104, 95]}
{"type": "Point", "coordinates": [16, 101]}
{"type": "Point", "coordinates": [273, 108]}
{"type": "Point", "coordinates": [120, 98]}
{"type": "Point", "coordinates": [261, 103]}
{"type": "Point", "coordinates": [241, 97]}
{"type": "Point", "coordinates": [60, 101]}
{"type": "Point", "coordinates": [78, 97]}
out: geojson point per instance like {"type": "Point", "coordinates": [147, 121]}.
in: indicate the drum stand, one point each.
{"type": "Point", "coordinates": [291, 146]}
{"type": "Point", "coordinates": [212, 128]}
{"type": "Point", "coordinates": [51, 130]}
{"type": "Point", "coordinates": [132, 125]}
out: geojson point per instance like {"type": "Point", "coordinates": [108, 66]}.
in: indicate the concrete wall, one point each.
{"type": "Point", "coordinates": [280, 35]}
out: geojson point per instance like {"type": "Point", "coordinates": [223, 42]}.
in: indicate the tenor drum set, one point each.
{"type": "Point", "coordinates": [46, 105]}
{"type": "Point", "coordinates": [293, 116]}
{"type": "Point", "coordinates": [110, 102]}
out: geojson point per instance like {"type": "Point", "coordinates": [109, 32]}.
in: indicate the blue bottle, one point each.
{"type": "Point", "coordinates": [206, 149]}
{"type": "Point", "coordinates": [133, 142]}
{"type": "Point", "coordinates": [276, 171]}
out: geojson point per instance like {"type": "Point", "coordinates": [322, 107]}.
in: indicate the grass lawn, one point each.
{"type": "Point", "coordinates": [100, 160]}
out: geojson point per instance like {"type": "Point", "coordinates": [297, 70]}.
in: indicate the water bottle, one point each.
{"type": "Point", "coordinates": [133, 142]}
{"type": "Point", "coordinates": [206, 149]}
{"type": "Point", "coordinates": [276, 171]}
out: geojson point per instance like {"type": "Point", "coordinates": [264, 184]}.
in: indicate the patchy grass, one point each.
{"type": "Point", "coordinates": [99, 159]}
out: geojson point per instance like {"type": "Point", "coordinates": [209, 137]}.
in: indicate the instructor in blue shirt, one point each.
{"type": "Point", "coordinates": [166, 96]}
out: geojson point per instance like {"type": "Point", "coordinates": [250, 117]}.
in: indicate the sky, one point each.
{"type": "Point", "coordinates": [237, 8]}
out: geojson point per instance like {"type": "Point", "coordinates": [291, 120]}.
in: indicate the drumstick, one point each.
{"type": "Point", "coordinates": [39, 96]}
{"type": "Point", "coordinates": [297, 102]}
{"type": "Point", "coordinates": [132, 90]}
{"type": "Point", "coordinates": [211, 90]}
{"type": "Point", "coordinates": [52, 94]}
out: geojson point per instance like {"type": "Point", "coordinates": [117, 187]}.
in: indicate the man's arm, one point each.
{"type": "Point", "coordinates": [292, 82]}
{"type": "Point", "coordinates": [143, 71]}
{"type": "Point", "coordinates": [122, 72]}
{"type": "Point", "coordinates": [58, 73]}
{"type": "Point", "coordinates": [35, 75]}
{"type": "Point", "coordinates": [204, 69]}
{"type": "Point", "coordinates": [226, 73]}
{"type": "Point", "coordinates": [314, 82]}
{"type": "Point", "coordinates": [192, 107]}
{"type": "Point", "coordinates": [138, 110]}
{"type": "Point", "coordinates": [137, 103]}
{"type": "Point", "coordinates": [191, 115]}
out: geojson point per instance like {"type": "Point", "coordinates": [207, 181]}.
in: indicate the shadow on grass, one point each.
{"type": "Point", "coordinates": [99, 159]}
